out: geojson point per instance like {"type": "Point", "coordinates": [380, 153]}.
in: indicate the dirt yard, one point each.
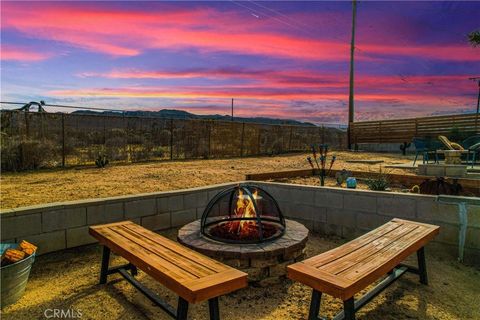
{"type": "Point", "coordinates": [45, 186]}
{"type": "Point", "coordinates": [68, 280]}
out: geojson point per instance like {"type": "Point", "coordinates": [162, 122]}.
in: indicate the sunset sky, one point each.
{"type": "Point", "coordinates": [277, 59]}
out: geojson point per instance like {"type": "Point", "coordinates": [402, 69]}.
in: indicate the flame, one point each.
{"type": "Point", "coordinates": [245, 209]}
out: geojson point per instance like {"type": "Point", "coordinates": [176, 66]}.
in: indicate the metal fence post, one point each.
{"type": "Point", "coordinates": [290, 139]}
{"type": "Point", "coordinates": [242, 140]}
{"type": "Point", "coordinates": [171, 139]}
{"type": "Point", "coordinates": [63, 140]}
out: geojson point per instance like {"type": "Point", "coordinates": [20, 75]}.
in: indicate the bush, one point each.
{"type": "Point", "coordinates": [378, 183]}
{"type": "Point", "coordinates": [25, 154]}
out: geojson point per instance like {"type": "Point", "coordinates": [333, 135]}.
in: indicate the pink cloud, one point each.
{"type": "Point", "coordinates": [23, 54]}
{"type": "Point", "coordinates": [128, 33]}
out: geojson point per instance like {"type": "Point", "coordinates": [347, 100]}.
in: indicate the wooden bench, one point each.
{"type": "Point", "coordinates": [192, 276]}
{"type": "Point", "coordinates": [346, 270]}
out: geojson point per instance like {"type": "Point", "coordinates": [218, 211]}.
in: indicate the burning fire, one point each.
{"type": "Point", "coordinates": [245, 209]}
{"type": "Point", "coordinates": [239, 230]}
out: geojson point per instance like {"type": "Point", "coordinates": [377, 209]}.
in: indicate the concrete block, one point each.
{"type": "Point", "coordinates": [194, 200]}
{"type": "Point", "coordinates": [305, 197]}
{"type": "Point", "coordinates": [140, 208]}
{"type": "Point", "coordinates": [79, 237]}
{"type": "Point", "coordinates": [434, 211]}
{"type": "Point", "coordinates": [350, 233]}
{"type": "Point", "coordinates": [15, 227]}
{"type": "Point", "coordinates": [176, 203]}
{"type": "Point", "coordinates": [64, 219]}
{"type": "Point", "coordinates": [436, 171]}
{"type": "Point", "coordinates": [455, 171]}
{"type": "Point", "coordinates": [105, 213]}
{"type": "Point", "coordinates": [200, 212]}
{"type": "Point", "coordinates": [162, 205]}
{"type": "Point", "coordinates": [370, 221]}
{"type": "Point", "coordinates": [360, 203]}
{"type": "Point", "coordinates": [472, 239]}
{"type": "Point", "coordinates": [396, 207]}
{"type": "Point", "coordinates": [328, 199]}
{"type": "Point", "coordinates": [306, 212]}
{"type": "Point", "coordinates": [181, 218]}
{"type": "Point", "coordinates": [340, 217]}
{"type": "Point", "coordinates": [157, 222]}
{"type": "Point", "coordinates": [473, 216]}
{"type": "Point", "coordinates": [48, 241]}
{"type": "Point", "coordinates": [448, 234]}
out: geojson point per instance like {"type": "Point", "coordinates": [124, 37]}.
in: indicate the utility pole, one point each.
{"type": "Point", "coordinates": [351, 109]}
{"type": "Point", "coordinates": [477, 79]}
{"type": "Point", "coordinates": [232, 109]}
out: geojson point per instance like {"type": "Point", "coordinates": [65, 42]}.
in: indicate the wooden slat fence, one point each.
{"type": "Point", "coordinates": [403, 130]}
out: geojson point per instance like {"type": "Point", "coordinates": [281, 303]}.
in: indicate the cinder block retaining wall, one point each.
{"type": "Point", "coordinates": [342, 212]}
{"type": "Point", "coordinates": [350, 213]}
{"type": "Point", "coordinates": [58, 226]}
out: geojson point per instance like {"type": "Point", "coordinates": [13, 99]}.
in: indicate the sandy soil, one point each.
{"type": "Point", "coordinates": [68, 280]}
{"type": "Point", "coordinates": [44, 186]}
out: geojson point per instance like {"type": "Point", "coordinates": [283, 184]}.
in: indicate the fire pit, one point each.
{"type": "Point", "coordinates": [243, 227]}
{"type": "Point", "coordinates": [243, 214]}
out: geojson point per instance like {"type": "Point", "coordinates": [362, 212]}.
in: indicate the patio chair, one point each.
{"type": "Point", "coordinates": [424, 147]}
{"type": "Point", "coordinates": [472, 144]}
{"type": "Point", "coordinates": [469, 146]}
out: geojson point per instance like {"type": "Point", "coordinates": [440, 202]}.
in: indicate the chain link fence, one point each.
{"type": "Point", "coordinates": [31, 140]}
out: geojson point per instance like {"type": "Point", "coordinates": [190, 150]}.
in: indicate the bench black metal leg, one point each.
{"type": "Point", "coordinates": [182, 309]}
{"type": "Point", "coordinates": [213, 308]}
{"type": "Point", "coordinates": [315, 305]}
{"type": "Point", "coordinates": [349, 309]}
{"type": "Point", "coordinates": [133, 270]}
{"type": "Point", "coordinates": [104, 266]}
{"type": "Point", "coordinates": [422, 266]}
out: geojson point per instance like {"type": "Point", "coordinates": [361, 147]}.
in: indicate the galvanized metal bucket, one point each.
{"type": "Point", "coordinates": [14, 277]}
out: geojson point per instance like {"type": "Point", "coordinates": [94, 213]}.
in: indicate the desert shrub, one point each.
{"type": "Point", "coordinates": [378, 183]}
{"type": "Point", "coordinates": [24, 154]}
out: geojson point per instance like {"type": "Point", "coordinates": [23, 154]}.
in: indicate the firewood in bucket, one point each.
{"type": "Point", "coordinates": [11, 256]}
{"type": "Point", "coordinates": [27, 247]}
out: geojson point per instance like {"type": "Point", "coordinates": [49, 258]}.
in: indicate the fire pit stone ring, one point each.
{"type": "Point", "coordinates": [264, 262]}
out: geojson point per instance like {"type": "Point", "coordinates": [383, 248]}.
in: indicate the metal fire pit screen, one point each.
{"type": "Point", "coordinates": [243, 214]}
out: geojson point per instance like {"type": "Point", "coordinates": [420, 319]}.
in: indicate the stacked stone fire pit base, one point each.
{"type": "Point", "coordinates": [265, 263]}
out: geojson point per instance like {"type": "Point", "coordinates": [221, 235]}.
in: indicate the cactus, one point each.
{"type": "Point", "coordinates": [101, 161]}
{"type": "Point", "coordinates": [404, 147]}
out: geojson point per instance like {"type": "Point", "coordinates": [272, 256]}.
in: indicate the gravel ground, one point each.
{"type": "Point", "coordinates": [68, 280]}
{"type": "Point", "coordinates": [58, 185]}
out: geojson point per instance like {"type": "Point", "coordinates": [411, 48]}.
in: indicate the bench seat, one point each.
{"type": "Point", "coordinates": [346, 270]}
{"type": "Point", "coordinates": [191, 275]}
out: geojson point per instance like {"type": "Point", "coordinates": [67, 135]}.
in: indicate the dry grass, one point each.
{"type": "Point", "coordinates": [68, 280]}
{"type": "Point", "coordinates": [45, 186]}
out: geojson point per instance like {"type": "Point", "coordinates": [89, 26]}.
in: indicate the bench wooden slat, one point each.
{"type": "Point", "coordinates": [188, 273]}
{"type": "Point", "coordinates": [168, 255]}
{"type": "Point", "coordinates": [367, 250]}
{"type": "Point", "coordinates": [350, 247]}
{"type": "Point", "coordinates": [346, 270]}
{"type": "Point", "coordinates": [181, 250]}
{"type": "Point", "coordinates": [126, 248]}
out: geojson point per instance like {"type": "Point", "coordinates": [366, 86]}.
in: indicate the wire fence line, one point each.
{"type": "Point", "coordinates": [31, 140]}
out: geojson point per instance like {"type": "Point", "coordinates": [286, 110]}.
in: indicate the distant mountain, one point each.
{"type": "Point", "coordinates": [179, 114]}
